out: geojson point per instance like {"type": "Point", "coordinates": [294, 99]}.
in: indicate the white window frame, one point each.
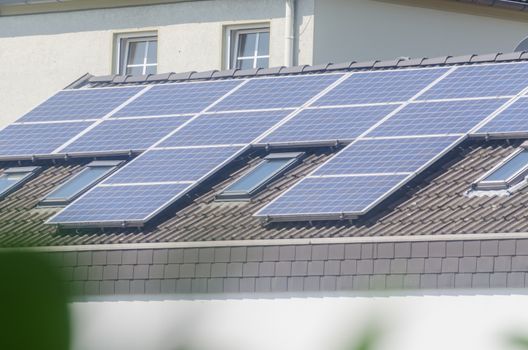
{"type": "Point", "coordinates": [232, 40]}
{"type": "Point", "coordinates": [125, 39]}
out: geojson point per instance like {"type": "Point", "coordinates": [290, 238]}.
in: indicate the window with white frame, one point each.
{"type": "Point", "coordinates": [248, 47]}
{"type": "Point", "coordinates": [137, 54]}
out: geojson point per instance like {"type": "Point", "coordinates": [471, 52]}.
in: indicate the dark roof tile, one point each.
{"type": "Point", "coordinates": [270, 71]}
{"type": "Point", "coordinates": [203, 75]}
{"type": "Point", "coordinates": [435, 61]}
{"type": "Point", "coordinates": [181, 76]}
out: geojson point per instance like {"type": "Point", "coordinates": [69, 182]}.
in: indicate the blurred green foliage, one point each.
{"type": "Point", "coordinates": [33, 303]}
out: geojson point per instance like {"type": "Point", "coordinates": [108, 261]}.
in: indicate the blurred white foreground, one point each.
{"type": "Point", "coordinates": [304, 323]}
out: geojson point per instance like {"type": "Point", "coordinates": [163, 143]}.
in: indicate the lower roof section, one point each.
{"type": "Point", "coordinates": [435, 204]}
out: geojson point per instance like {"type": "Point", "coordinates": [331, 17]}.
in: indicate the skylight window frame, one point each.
{"type": "Point", "coordinates": [516, 178]}
{"type": "Point", "coordinates": [29, 171]}
{"type": "Point", "coordinates": [61, 201]}
{"type": "Point", "coordinates": [227, 195]}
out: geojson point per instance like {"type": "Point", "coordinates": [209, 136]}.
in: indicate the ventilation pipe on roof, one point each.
{"type": "Point", "coordinates": [289, 32]}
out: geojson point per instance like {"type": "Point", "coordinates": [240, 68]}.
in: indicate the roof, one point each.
{"type": "Point", "coordinates": [435, 204]}
{"type": "Point", "coordinates": [402, 62]}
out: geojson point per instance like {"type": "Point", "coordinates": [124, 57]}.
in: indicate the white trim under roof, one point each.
{"type": "Point", "coordinates": [277, 242]}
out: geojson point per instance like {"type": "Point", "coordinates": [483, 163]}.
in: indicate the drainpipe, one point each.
{"type": "Point", "coordinates": [289, 29]}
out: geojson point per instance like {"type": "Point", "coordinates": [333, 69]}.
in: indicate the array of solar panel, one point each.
{"type": "Point", "coordinates": [283, 92]}
{"type": "Point", "coordinates": [110, 204]}
{"type": "Point", "coordinates": [514, 119]}
{"type": "Point", "coordinates": [383, 86]}
{"type": "Point", "coordinates": [188, 164]}
{"type": "Point", "coordinates": [37, 139]}
{"type": "Point", "coordinates": [224, 128]}
{"type": "Point", "coordinates": [80, 104]}
{"type": "Point", "coordinates": [387, 155]}
{"type": "Point", "coordinates": [332, 195]}
{"type": "Point", "coordinates": [433, 118]}
{"type": "Point", "coordinates": [329, 124]}
{"type": "Point", "coordinates": [154, 170]}
{"type": "Point", "coordinates": [481, 81]}
{"type": "Point", "coordinates": [113, 135]}
{"type": "Point", "coordinates": [182, 98]}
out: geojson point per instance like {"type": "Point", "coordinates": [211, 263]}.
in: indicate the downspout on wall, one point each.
{"type": "Point", "coordinates": [289, 31]}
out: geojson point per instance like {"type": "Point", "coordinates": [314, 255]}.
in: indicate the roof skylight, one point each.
{"type": "Point", "coordinates": [13, 178]}
{"type": "Point", "coordinates": [272, 166]}
{"type": "Point", "coordinates": [80, 182]}
{"type": "Point", "coordinates": [510, 172]}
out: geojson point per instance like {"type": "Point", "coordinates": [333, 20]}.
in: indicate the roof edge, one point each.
{"type": "Point", "coordinates": [401, 62]}
{"type": "Point", "coordinates": [275, 242]}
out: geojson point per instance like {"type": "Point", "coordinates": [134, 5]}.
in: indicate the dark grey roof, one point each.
{"type": "Point", "coordinates": [434, 204]}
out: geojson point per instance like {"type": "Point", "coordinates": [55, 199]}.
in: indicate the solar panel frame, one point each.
{"type": "Point", "coordinates": [169, 165]}
{"type": "Point", "coordinates": [381, 86]}
{"type": "Point", "coordinates": [112, 213]}
{"type": "Point", "coordinates": [112, 136]}
{"type": "Point", "coordinates": [175, 99]}
{"type": "Point", "coordinates": [277, 92]}
{"type": "Point", "coordinates": [32, 137]}
{"type": "Point", "coordinates": [53, 108]}
{"type": "Point", "coordinates": [437, 118]}
{"type": "Point", "coordinates": [385, 156]}
{"type": "Point", "coordinates": [491, 82]}
{"type": "Point", "coordinates": [225, 128]}
{"type": "Point", "coordinates": [511, 121]}
{"type": "Point", "coordinates": [305, 194]}
{"type": "Point", "coordinates": [342, 124]}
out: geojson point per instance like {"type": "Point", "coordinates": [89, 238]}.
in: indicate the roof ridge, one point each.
{"type": "Point", "coordinates": [401, 62]}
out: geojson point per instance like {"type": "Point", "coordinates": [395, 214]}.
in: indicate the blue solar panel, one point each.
{"type": "Point", "coordinates": [81, 104]}
{"type": "Point", "coordinates": [37, 139]}
{"type": "Point", "coordinates": [513, 119]}
{"type": "Point", "coordinates": [451, 117]}
{"type": "Point", "coordinates": [284, 92]}
{"type": "Point", "coordinates": [225, 128]}
{"type": "Point", "coordinates": [387, 155]}
{"type": "Point", "coordinates": [385, 86]}
{"type": "Point", "coordinates": [180, 98]}
{"type": "Point", "coordinates": [173, 165]}
{"type": "Point", "coordinates": [119, 204]}
{"type": "Point", "coordinates": [481, 81]}
{"type": "Point", "coordinates": [125, 135]}
{"type": "Point", "coordinates": [329, 124]}
{"type": "Point", "coordinates": [332, 195]}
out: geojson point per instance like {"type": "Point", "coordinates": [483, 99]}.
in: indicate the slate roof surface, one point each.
{"type": "Point", "coordinates": [434, 204]}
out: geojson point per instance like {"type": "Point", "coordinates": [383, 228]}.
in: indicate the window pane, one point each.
{"type": "Point", "coordinates": [263, 45]}
{"type": "Point", "coordinates": [78, 183]}
{"type": "Point", "coordinates": [258, 175]}
{"type": "Point", "coordinates": [246, 44]}
{"type": "Point", "coordinates": [262, 63]}
{"type": "Point", "coordinates": [12, 178]}
{"type": "Point", "coordinates": [152, 55]}
{"type": "Point", "coordinates": [245, 64]}
{"type": "Point", "coordinates": [510, 168]}
{"type": "Point", "coordinates": [136, 52]}
{"type": "Point", "coordinates": [134, 70]}
{"type": "Point", "coordinates": [151, 70]}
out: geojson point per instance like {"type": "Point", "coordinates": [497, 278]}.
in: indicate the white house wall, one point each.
{"type": "Point", "coordinates": [41, 53]}
{"type": "Point", "coordinates": [385, 29]}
